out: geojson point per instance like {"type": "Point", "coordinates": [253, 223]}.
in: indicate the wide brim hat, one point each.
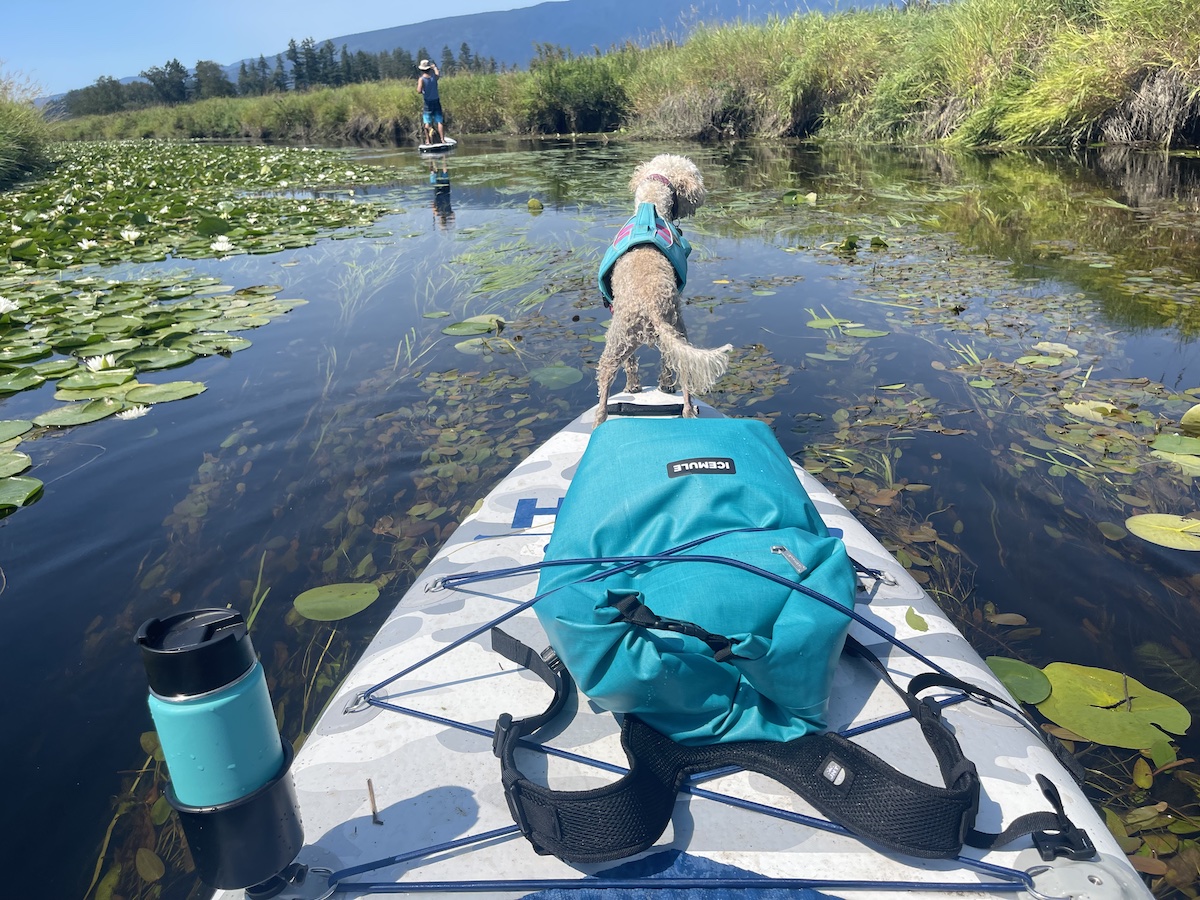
{"type": "Point", "coordinates": [424, 64]}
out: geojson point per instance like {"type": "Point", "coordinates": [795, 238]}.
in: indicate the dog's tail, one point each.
{"type": "Point", "coordinates": [697, 369]}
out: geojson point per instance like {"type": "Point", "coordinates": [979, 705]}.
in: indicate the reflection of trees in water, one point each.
{"type": "Point", "coordinates": [1147, 177]}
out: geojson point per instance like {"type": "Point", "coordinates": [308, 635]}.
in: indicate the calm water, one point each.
{"type": "Point", "coordinates": [308, 452]}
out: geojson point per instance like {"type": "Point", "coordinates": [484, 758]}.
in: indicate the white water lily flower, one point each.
{"type": "Point", "coordinates": [97, 363]}
{"type": "Point", "coordinates": [303, 207]}
{"type": "Point", "coordinates": [221, 245]}
{"type": "Point", "coordinates": [86, 244]}
{"type": "Point", "coordinates": [130, 234]}
{"type": "Point", "coordinates": [134, 412]}
{"type": "Point", "coordinates": [7, 306]}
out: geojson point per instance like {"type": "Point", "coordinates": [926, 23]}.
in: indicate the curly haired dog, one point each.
{"type": "Point", "coordinates": [641, 277]}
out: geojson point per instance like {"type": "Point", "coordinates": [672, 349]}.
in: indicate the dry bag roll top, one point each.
{"type": "Point", "coordinates": [717, 499]}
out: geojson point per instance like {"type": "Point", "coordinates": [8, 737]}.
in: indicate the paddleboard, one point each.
{"type": "Point", "coordinates": [448, 144]}
{"type": "Point", "coordinates": [405, 795]}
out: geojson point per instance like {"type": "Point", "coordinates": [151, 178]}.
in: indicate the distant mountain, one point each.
{"type": "Point", "coordinates": [509, 36]}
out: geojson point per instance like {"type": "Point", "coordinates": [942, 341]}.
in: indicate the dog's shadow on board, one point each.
{"type": "Point", "coordinates": [641, 277]}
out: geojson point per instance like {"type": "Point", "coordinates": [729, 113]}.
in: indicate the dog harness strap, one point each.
{"type": "Point", "coordinates": [845, 782]}
{"type": "Point", "coordinates": [645, 227]}
{"type": "Point", "coordinates": [663, 179]}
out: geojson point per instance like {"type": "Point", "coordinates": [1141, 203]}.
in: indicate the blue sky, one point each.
{"type": "Point", "coordinates": [65, 44]}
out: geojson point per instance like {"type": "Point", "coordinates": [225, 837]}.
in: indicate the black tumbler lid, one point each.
{"type": "Point", "coordinates": [195, 652]}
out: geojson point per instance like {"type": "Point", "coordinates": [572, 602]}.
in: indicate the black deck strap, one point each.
{"type": "Point", "coordinates": [844, 781]}
{"type": "Point", "coordinates": [632, 610]}
{"type": "Point", "coordinates": [625, 408]}
{"type": "Point", "coordinates": [548, 668]}
{"type": "Point", "coordinates": [1053, 833]}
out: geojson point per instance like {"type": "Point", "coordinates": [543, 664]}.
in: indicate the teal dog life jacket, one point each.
{"type": "Point", "coordinates": [645, 227]}
{"type": "Point", "coordinates": [725, 489]}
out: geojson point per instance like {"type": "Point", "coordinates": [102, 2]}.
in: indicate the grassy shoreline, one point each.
{"type": "Point", "coordinates": [972, 73]}
{"type": "Point", "coordinates": [25, 134]}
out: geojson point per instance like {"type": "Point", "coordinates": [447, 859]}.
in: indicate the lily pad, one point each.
{"type": "Point", "coordinates": [1176, 532]}
{"type": "Point", "coordinates": [55, 368]}
{"type": "Point", "coordinates": [150, 358]}
{"type": "Point", "coordinates": [20, 380]}
{"type": "Point", "coordinates": [826, 323]}
{"type": "Point", "coordinates": [1110, 708]}
{"type": "Point", "coordinates": [1190, 421]}
{"type": "Point", "coordinates": [18, 490]}
{"type": "Point", "coordinates": [161, 393]}
{"type": "Point", "coordinates": [915, 620]}
{"type": "Point", "coordinates": [11, 428]}
{"type": "Point", "coordinates": [99, 379]}
{"type": "Point", "coordinates": [1092, 410]}
{"type": "Point", "coordinates": [475, 325]}
{"type": "Point", "coordinates": [555, 377]}
{"type": "Point", "coordinates": [332, 602]}
{"type": "Point", "coordinates": [1176, 443]}
{"type": "Point", "coordinates": [12, 462]}
{"type": "Point", "coordinates": [1027, 683]}
{"type": "Point", "coordinates": [78, 413]}
{"type": "Point", "coordinates": [865, 333]}
{"type": "Point", "coordinates": [474, 346]}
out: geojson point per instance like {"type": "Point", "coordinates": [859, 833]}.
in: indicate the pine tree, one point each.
{"type": "Point", "coordinates": [299, 75]}
{"type": "Point", "coordinates": [279, 80]}
{"type": "Point", "coordinates": [331, 73]}
{"type": "Point", "coordinates": [312, 62]}
{"type": "Point", "coordinates": [262, 75]}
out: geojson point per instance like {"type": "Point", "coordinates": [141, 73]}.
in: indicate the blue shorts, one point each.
{"type": "Point", "coordinates": [432, 114]}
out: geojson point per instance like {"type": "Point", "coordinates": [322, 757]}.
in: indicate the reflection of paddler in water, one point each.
{"type": "Point", "coordinates": [439, 177]}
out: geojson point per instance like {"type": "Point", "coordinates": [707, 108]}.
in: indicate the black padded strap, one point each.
{"type": "Point", "coordinates": [844, 781]}
{"type": "Point", "coordinates": [661, 410]}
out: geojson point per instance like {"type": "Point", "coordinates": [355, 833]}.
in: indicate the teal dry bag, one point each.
{"type": "Point", "coordinates": [697, 644]}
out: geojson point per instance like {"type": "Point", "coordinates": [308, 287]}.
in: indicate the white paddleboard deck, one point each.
{"type": "Point", "coordinates": [374, 783]}
{"type": "Point", "coordinates": [448, 144]}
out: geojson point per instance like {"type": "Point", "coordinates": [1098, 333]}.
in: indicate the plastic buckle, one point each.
{"type": "Point", "coordinates": [1068, 839]}
{"type": "Point", "coordinates": [500, 735]}
{"type": "Point", "coordinates": [1071, 842]}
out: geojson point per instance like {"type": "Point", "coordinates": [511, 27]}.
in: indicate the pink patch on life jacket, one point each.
{"type": "Point", "coordinates": [665, 233]}
{"type": "Point", "coordinates": [623, 233]}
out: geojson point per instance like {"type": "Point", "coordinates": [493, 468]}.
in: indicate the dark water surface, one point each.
{"type": "Point", "coordinates": [308, 452]}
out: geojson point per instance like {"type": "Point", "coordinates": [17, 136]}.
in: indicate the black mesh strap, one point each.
{"type": "Point", "coordinates": [844, 781]}
{"type": "Point", "coordinates": [660, 410]}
